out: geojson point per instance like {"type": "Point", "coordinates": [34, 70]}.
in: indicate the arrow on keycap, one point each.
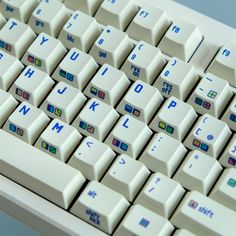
{"type": "Point", "coordinates": [122, 161]}
{"type": "Point", "coordinates": [89, 144]}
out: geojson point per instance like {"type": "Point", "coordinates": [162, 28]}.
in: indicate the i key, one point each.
{"type": "Point", "coordinates": [208, 135]}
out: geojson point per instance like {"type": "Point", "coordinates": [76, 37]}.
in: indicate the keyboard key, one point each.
{"type": "Point", "coordinates": [177, 79]}
{"type": "Point", "coordinates": [63, 102]}
{"type": "Point", "coordinates": [126, 176]}
{"type": "Point", "coordinates": [129, 136]}
{"type": "Point", "coordinates": [10, 68]}
{"type": "Point", "coordinates": [161, 195]}
{"type": "Point", "coordinates": [198, 172]}
{"type": "Point", "coordinates": [45, 52]}
{"type": "Point", "coordinates": [228, 158]}
{"type": "Point", "coordinates": [59, 140]}
{"type": "Point", "coordinates": [15, 37]}
{"type": "Point", "coordinates": [141, 101]}
{"type": "Point", "coordinates": [76, 69]}
{"type": "Point", "coordinates": [181, 40]}
{"type": "Point", "coordinates": [167, 121]}
{"type": "Point", "coordinates": [49, 17]}
{"type": "Point", "coordinates": [141, 221]}
{"type": "Point", "coordinates": [89, 7]}
{"type": "Point", "coordinates": [145, 62]}
{"type": "Point", "coordinates": [208, 135]}
{"type": "Point", "coordinates": [163, 154]}
{"type": "Point", "coordinates": [18, 9]}
{"type": "Point", "coordinates": [149, 25]}
{"type": "Point", "coordinates": [116, 13]}
{"type": "Point", "coordinates": [183, 232]}
{"type": "Point", "coordinates": [7, 106]}
{"type": "Point", "coordinates": [100, 206]}
{"type": "Point", "coordinates": [203, 216]}
{"type": "Point", "coordinates": [224, 191]}
{"type": "Point", "coordinates": [108, 85]}
{"type": "Point", "coordinates": [2, 20]}
{"type": "Point", "coordinates": [32, 86]}
{"type": "Point", "coordinates": [211, 95]}
{"type": "Point", "coordinates": [26, 122]}
{"type": "Point", "coordinates": [80, 31]}
{"type": "Point", "coordinates": [230, 115]}
{"type": "Point", "coordinates": [112, 47]}
{"type": "Point", "coordinates": [37, 171]}
{"type": "Point", "coordinates": [224, 63]}
{"type": "Point", "coordinates": [92, 158]}
{"type": "Point", "coordinates": [96, 119]}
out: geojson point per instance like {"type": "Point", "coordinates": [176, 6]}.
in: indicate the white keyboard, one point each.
{"type": "Point", "coordinates": [117, 117]}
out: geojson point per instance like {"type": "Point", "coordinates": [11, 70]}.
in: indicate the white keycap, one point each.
{"type": "Point", "coordinates": [161, 195]}
{"type": "Point", "coordinates": [63, 102]}
{"type": "Point", "coordinates": [32, 86]}
{"type": "Point", "coordinates": [26, 122]}
{"type": "Point", "coordinates": [108, 85]}
{"type": "Point", "coordinates": [112, 47]}
{"type": "Point", "coordinates": [96, 119]}
{"type": "Point", "coordinates": [80, 31]}
{"type": "Point", "coordinates": [45, 53]}
{"type": "Point", "coordinates": [141, 221]}
{"type": "Point", "coordinates": [92, 158]}
{"type": "Point", "coordinates": [2, 20]}
{"type": "Point", "coordinates": [59, 140]}
{"type": "Point", "coordinates": [10, 68]}
{"type": "Point", "coordinates": [224, 63]}
{"type": "Point", "coordinates": [224, 191]}
{"type": "Point", "coordinates": [163, 154]}
{"type": "Point", "coordinates": [230, 115]}
{"type": "Point", "coordinates": [181, 40]}
{"type": "Point", "coordinates": [177, 79]}
{"type": "Point", "coordinates": [211, 95]}
{"type": "Point", "coordinates": [7, 106]}
{"type": "Point", "coordinates": [100, 206]}
{"type": "Point", "coordinates": [15, 37]}
{"type": "Point", "coordinates": [203, 216]}
{"type": "Point", "coordinates": [76, 69]}
{"type": "Point", "coordinates": [141, 101]}
{"type": "Point", "coordinates": [87, 6]}
{"type": "Point", "coordinates": [129, 136]}
{"type": "Point", "coordinates": [149, 25]}
{"type": "Point", "coordinates": [145, 62]}
{"type": "Point", "coordinates": [126, 176]}
{"type": "Point", "coordinates": [49, 17]}
{"type": "Point", "coordinates": [116, 13]}
{"type": "Point", "coordinates": [208, 135]}
{"type": "Point", "coordinates": [183, 232]}
{"type": "Point", "coordinates": [19, 9]}
{"type": "Point", "coordinates": [228, 158]}
{"type": "Point", "coordinates": [198, 172]}
{"type": "Point", "coordinates": [172, 124]}
{"type": "Point", "coordinates": [37, 171]}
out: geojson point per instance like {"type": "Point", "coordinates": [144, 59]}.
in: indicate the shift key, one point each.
{"type": "Point", "coordinates": [204, 216]}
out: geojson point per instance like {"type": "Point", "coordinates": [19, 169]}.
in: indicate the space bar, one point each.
{"type": "Point", "coordinates": [37, 171]}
